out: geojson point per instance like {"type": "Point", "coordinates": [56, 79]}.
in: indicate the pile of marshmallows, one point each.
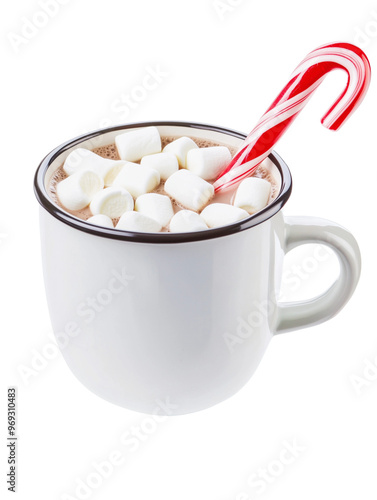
{"type": "Point", "coordinates": [123, 189]}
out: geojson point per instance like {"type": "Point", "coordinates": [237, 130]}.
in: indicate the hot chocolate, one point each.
{"type": "Point", "coordinates": [110, 152]}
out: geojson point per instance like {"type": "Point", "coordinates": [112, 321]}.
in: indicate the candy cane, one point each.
{"type": "Point", "coordinates": [292, 99]}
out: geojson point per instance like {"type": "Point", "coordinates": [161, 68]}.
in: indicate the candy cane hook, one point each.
{"type": "Point", "coordinates": [293, 98]}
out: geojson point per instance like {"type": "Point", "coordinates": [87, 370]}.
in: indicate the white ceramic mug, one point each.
{"type": "Point", "coordinates": [179, 321]}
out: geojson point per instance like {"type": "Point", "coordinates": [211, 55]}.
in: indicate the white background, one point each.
{"type": "Point", "coordinates": [222, 68]}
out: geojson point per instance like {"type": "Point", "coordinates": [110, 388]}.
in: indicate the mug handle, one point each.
{"type": "Point", "coordinates": [302, 314]}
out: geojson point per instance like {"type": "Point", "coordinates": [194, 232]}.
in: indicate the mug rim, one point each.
{"type": "Point", "coordinates": [247, 223]}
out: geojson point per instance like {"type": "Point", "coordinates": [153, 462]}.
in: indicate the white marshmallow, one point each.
{"type": "Point", "coordinates": [101, 220]}
{"type": "Point", "coordinates": [84, 159]}
{"type": "Point", "coordinates": [136, 179]}
{"type": "Point", "coordinates": [208, 163]}
{"type": "Point", "coordinates": [252, 194]}
{"type": "Point", "coordinates": [180, 148]}
{"type": "Point", "coordinates": [165, 163]}
{"type": "Point", "coordinates": [186, 221]}
{"type": "Point", "coordinates": [111, 170]}
{"type": "Point", "coordinates": [112, 201]}
{"type": "Point", "coordinates": [134, 221]}
{"type": "Point", "coordinates": [221, 214]}
{"type": "Point", "coordinates": [77, 191]}
{"type": "Point", "coordinates": [156, 206]}
{"type": "Point", "coordinates": [134, 144]}
{"type": "Point", "coordinates": [81, 158]}
{"type": "Point", "coordinates": [189, 190]}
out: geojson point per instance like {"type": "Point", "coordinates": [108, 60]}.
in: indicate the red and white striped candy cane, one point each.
{"type": "Point", "coordinates": [305, 79]}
